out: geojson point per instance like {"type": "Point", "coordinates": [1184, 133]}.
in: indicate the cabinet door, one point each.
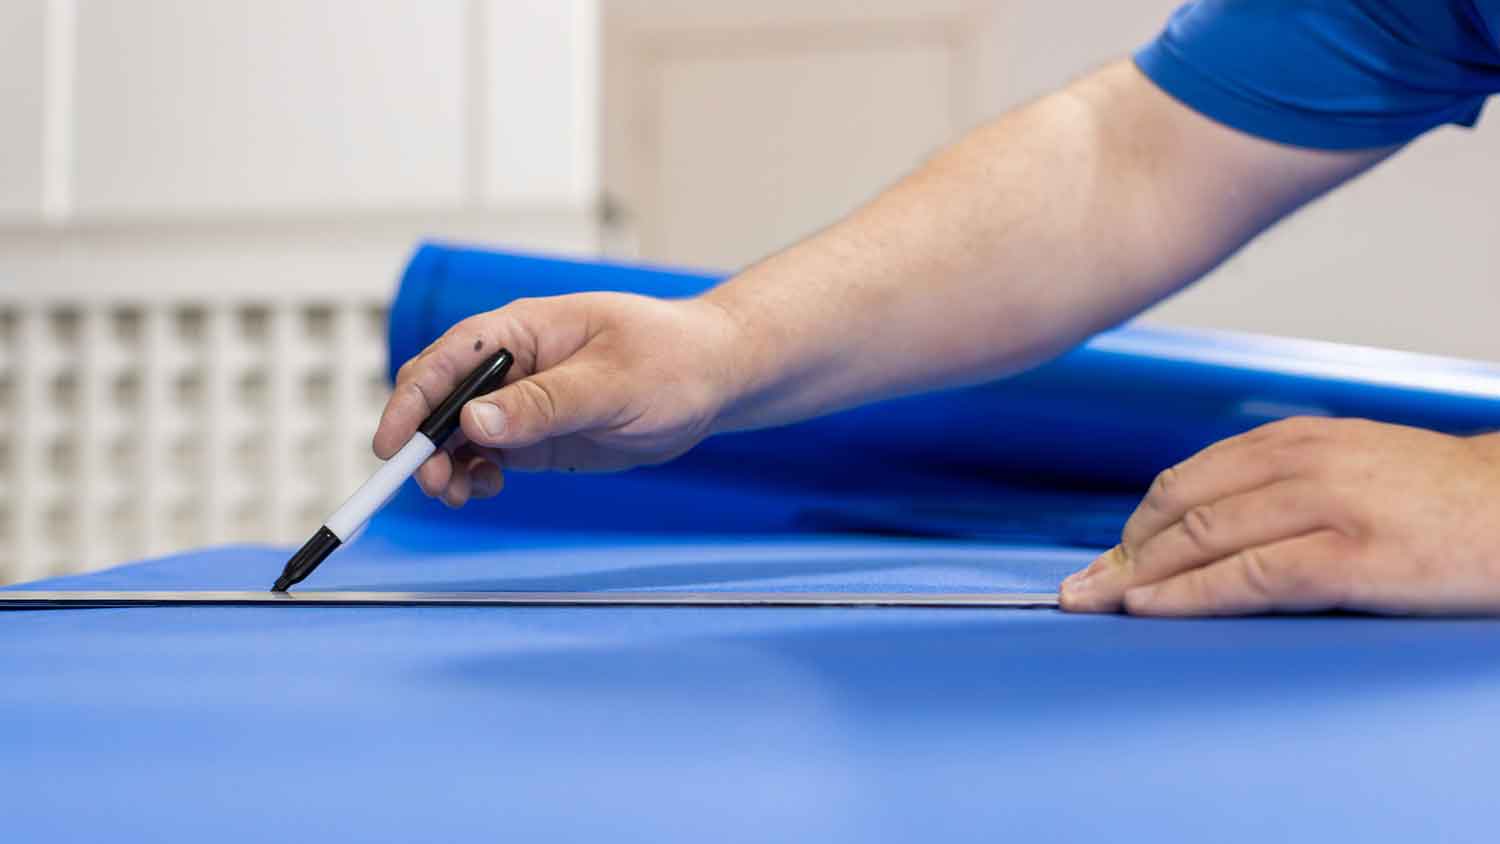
{"type": "Point", "coordinates": [538, 115]}
{"type": "Point", "coordinates": [225, 106]}
{"type": "Point", "coordinates": [22, 75]}
{"type": "Point", "coordinates": [731, 131]}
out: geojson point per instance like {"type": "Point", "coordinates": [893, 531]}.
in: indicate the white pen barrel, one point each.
{"type": "Point", "coordinates": [375, 492]}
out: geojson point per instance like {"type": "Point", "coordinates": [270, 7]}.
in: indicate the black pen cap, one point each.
{"type": "Point", "coordinates": [488, 377]}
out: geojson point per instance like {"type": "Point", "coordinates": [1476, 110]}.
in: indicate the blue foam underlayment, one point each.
{"type": "Point", "coordinates": [404, 555]}
{"type": "Point", "coordinates": [232, 724]}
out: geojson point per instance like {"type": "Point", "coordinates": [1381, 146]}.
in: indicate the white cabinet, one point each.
{"type": "Point", "coordinates": [22, 73]}
{"type": "Point", "coordinates": [155, 111]}
{"type": "Point", "coordinates": [540, 126]}
{"type": "Point", "coordinates": [228, 106]}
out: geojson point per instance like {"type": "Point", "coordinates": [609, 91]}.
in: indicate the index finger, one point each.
{"type": "Point", "coordinates": [424, 381]}
{"type": "Point", "coordinates": [1236, 465]}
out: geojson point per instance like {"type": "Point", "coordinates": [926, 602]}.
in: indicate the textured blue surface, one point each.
{"type": "Point", "coordinates": [251, 724]}
{"type": "Point", "coordinates": [402, 724]}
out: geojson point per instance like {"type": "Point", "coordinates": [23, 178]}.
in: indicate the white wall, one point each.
{"type": "Point", "coordinates": [1407, 257]}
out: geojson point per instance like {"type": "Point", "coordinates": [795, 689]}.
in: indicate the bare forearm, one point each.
{"type": "Point", "coordinates": [1022, 239]}
{"type": "Point", "coordinates": [1025, 237]}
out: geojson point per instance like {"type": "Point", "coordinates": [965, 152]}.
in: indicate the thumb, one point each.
{"type": "Point", "coordinates": [559, 401]}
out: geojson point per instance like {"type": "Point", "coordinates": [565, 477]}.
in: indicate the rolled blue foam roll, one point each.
{"type": "Point", "coordinates": [1057, 454]}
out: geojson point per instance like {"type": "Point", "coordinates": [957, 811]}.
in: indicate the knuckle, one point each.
{"type": "Point", "coordinates": [1122, 558]}
{"type": "Point", "coordinates": [1259, 575]}
{"type": "Point", "coordinates": [1287, 457]}
{"type": "Point", "coordinates": [1354, 526]}
{"type": "Point", "coordinates": [543, 403]}
{"type": "Point", "coordinates": [1298, 428]}
{"type": "Point", "coordinates": [478, 326]}
{"type": "Point", "coordinates": [1294, 456]}
{"type": "Point", "coordinates": [1164, 489]}
{"type": "Point", "coordinates": [520, 308]}
{"type": "Point", "coordinates": [405, 371]}
{"type": "Point", "coordinates": [415, 388]}
{"type": "Point", "coordinates": [1201, 592]}
{"type": "Point", "coordinates": [440, 363]}
{"type": "Point", "coordinates": [465, 326]}
{"type": "Point", "coordinates": [1198, 525]}
{"type": "Point", "coordinates": [1291, 426]}
{"type": "Point", "coordinates": [428, 368]}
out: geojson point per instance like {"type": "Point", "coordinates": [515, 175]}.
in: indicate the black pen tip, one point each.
{"type": "Point", "coordinates": [307, 558]}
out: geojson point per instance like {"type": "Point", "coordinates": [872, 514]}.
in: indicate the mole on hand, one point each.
{"type": "Point", "coordinates": [478, 344]}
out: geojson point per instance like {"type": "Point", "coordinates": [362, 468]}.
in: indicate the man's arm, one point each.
{"type": "Point", "coordinates": [1031, 233]}
{"type": "Point", "coordinates": [1026, 236]}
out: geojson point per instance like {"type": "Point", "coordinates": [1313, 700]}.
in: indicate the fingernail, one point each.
{"type": "Point", "coordinates": [1098, 564]}
{"type": "Point", "coordinates": [1077, 583]}
{"type": "Point", "coordinates": [489, 418]}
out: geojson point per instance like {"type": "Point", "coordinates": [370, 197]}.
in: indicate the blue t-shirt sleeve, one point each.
{"type": "Point", "coordinates": [1330, 74]}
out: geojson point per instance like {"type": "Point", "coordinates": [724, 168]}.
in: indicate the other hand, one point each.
{"type": "Point", "coordinates": [1311, 514]}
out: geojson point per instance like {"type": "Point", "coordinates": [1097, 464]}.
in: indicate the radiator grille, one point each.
{"type": "Point", "coordinates": [136, 429]}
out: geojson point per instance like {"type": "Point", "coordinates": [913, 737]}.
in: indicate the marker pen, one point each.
{"type": "Point", "coordinates": [374, 493]}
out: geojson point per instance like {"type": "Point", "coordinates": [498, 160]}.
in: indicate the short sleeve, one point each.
{"type": "Point", "coordinates": [1328, 74]}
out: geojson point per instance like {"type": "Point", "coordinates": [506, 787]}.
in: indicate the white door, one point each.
{"type": "Point", "coordinates": [734, 129]}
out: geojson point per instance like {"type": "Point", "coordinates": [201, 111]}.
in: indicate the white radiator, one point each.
{"type": "Point", "coordinates": [136, 429]}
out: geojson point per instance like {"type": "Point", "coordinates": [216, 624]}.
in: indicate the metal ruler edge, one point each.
{"type": "Point", "coordinates": [60, 599]}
